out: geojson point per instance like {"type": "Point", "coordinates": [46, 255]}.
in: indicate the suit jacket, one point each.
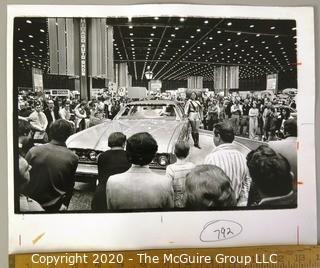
{"type": "Point", "coordinates": [110, 163]}
{"type": "Point", "coordinates": [47, 112]}
{"type": "Point", "coordinates": [52, 175]}
{"type": "Point", "coordinates": [139, 188]}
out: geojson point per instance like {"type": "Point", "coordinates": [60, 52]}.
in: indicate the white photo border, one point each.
{"type": "Point", "coordinates": [81, 232]}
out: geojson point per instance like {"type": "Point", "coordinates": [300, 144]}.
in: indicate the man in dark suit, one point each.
{"type": "Point", "coordinates": [51, 113]}
{"type": "Point", "coordinates": [53, 170]}
{"type": "Point", "coordinates": [111, 162]}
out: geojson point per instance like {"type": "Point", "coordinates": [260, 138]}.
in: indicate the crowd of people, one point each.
{"type": "Point", "coordinates": [41, 110]}
{"type": "Point", "coordinates": [226, 178]}
{"type": "Point", "coordinates": [254, 117]}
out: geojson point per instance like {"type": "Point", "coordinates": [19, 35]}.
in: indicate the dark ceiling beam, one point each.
{"type": "Point", "coordinates": [192, 46]}
{"type": "Point", "coordinates": [260, 33]}
{"type": "Point", "coordinates": [139, 60]}
{"type": "Point", "coordinates": [155, 53]}
{"type": "Point", "coordinates": [158, 25]}
{"type": "Point", "coordinates": [123, 43]}
{"type": "Point", "coordinates": [184, 72]}
{"type": "Point", "coordinates": [135, 70]}
{"type": "Point", "coordinates": [162, 35]}
{"type": "Point", "coordinates": [225, 63]}
{"type": "Point", "coordinates": [181, 69]}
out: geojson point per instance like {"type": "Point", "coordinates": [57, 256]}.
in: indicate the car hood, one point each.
{"type": "Point", "coordinates": [165, 133]}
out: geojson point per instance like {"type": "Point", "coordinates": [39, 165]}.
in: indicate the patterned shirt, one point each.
{"type": "Point", "coordinates": [178, 172]}
{"type": "Point", "coordinates": [233, 163]}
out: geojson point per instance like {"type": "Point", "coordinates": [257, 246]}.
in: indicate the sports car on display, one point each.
{"type": "Point", "coordinates": [163, 119]}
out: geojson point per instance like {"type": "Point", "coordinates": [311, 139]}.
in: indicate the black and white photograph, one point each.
{"type": "Point", "coordinates": [154, 113]}
{"type": "Point", "coordinates": [174, 121]}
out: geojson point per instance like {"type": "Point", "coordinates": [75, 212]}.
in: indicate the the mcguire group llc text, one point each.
{"type": "Point", "coordinates": [145, 258]}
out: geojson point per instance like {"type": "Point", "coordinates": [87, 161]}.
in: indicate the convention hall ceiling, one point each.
{"type": "Point", "coordinates": [177, 47]}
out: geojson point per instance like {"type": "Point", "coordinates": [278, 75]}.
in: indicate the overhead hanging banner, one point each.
{"type": "Point", "coordinates": [272, 82]}
{"type": "Point", "coordinates": [37, 80]}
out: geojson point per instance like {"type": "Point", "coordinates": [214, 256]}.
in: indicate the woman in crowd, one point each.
{"type": "Point", "coordinates": [80, 116]}
{"type": "Point", "coordinates": [212, 114]}
{"type": "Point", "coordinates": [208, 187]}
{"type": "Point", "coordinates": [253, 120]}
{"type": "Point", "coordinates": [194, 111]}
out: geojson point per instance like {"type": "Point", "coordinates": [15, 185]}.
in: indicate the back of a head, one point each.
{"type": "Point", "coordinates": [207, 186]}
{"type": "Point", "coordinates": [290, 127]}
{"type": "Point", "coordinates": [225, 130]}
{"type": "Point", "coordinates": [141, 148]}
{"type": "Point", "coordinates": [270, 171]}
{"type": "Point", "coordinates": [181, 149]}
{"type": "Point", "coordinates": [116, 139]}
{"type": "Point", "coordinates": [60, 130]}
{"type": "Point", "coordinates": [24, 127]}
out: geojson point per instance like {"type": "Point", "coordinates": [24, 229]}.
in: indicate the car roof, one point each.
{"type": "Point", "coordinates": [165, 102]}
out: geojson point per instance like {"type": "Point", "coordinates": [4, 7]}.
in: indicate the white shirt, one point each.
{"type": "Point", "coordinates": [234, 164]}
{"type": "Point", "coordinates": [38, 121]}
{"type": "Point", "coordinates": [177, 172]}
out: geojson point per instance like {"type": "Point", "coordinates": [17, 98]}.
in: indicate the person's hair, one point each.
{"type": "Point", "coordinates": [37, 103]}
{"type": "Point", "coordinates": [290, 127]}
{"type": "Point", "coordinates": [225, 130]}
{"type": "Point", "coordinates": [207, 186]}
{"type": "Point", "coordinates": [60, 130]}
{"type": "Point", "coordinates": [116, 139]}
{"type": "Point", "coordinates": [195, 93]}
{"type": "Point", "coordinates": [270, 171]}
{"type": "Point", "coordinates": [141, 148]}
{"type": "Point", "coordinates": [181, 149]}
{"type": "Point", "coordinates": [24, 128]}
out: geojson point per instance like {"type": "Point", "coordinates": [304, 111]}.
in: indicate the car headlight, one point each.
{"type": "Point", "coordinates": [93, 156]}
{"type": "Point", "coordinates": [163, 160]}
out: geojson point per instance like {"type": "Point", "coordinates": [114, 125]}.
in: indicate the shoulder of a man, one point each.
{"type": "Point", "coordinates": [39, 148]}
{"type": "Point", "coordinates": [66, 152]}
{"type": "Point", "coordinates": [117, 179]}
{"type": "Point", "coordinates": [164, 182]}
{"type": "Point", "coordinates": [109, 154]}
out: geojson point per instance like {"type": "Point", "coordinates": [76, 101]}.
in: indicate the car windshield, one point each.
{"type": "Point", "coordinates": [149, 111]}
